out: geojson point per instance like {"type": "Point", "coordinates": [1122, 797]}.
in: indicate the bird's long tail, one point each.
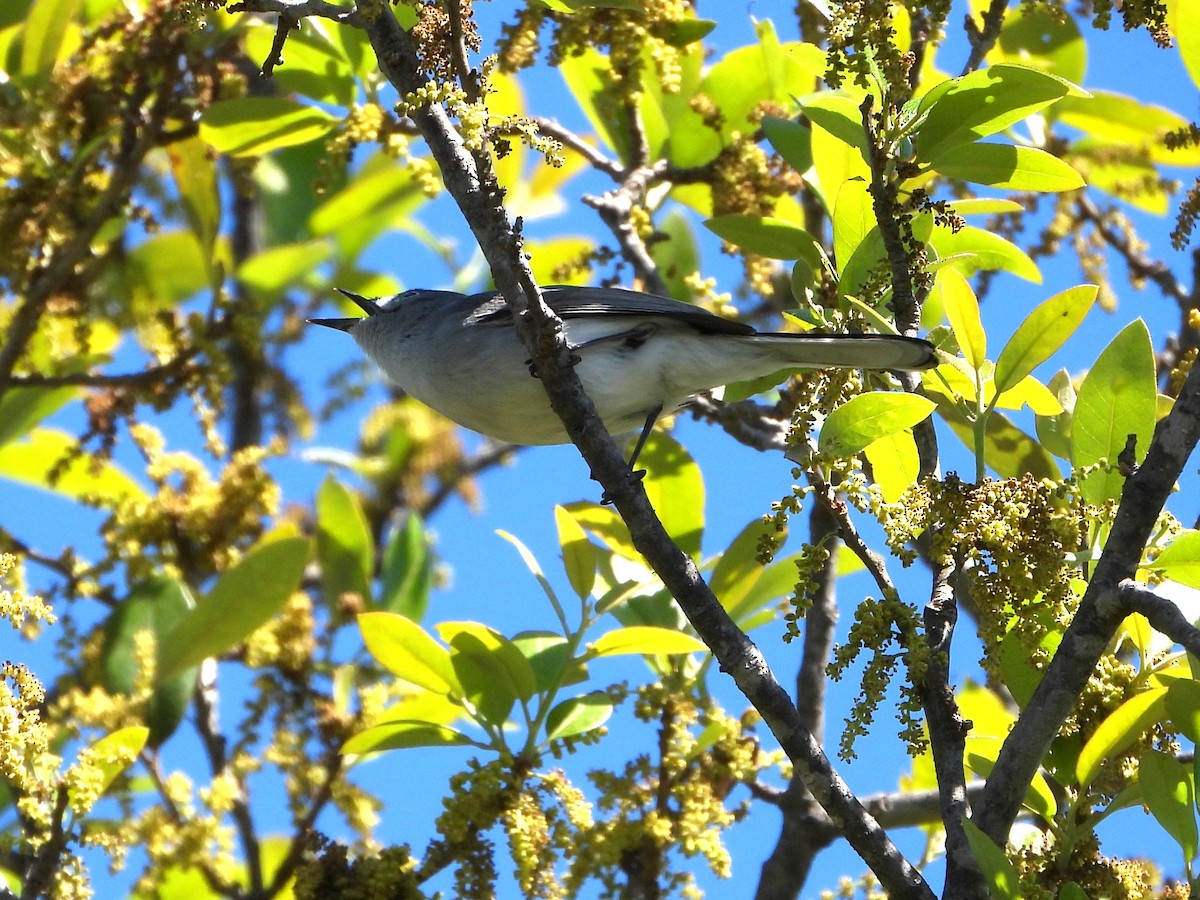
{"type": "Point", "coordinates": [847, 351]}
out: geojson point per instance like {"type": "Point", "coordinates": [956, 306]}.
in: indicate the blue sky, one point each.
{"type": "Point", "coordinates": [489, 583]}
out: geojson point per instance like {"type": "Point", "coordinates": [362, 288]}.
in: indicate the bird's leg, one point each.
{"type": "Point", "coordinates": [651, 418]}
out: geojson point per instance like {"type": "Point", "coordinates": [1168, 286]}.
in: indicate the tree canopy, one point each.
{"type": "Point", "coordinates": [237, 670]}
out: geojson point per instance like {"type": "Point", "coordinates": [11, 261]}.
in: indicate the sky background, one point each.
{"type": "Point", "coordinates": [487, 580]}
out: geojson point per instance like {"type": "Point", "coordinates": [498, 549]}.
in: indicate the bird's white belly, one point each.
{"type": "Point", "coordinates": [486, 385]}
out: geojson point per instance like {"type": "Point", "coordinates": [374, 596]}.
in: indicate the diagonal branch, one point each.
{"type": "Point", "coordinates": [1103, 607]}
{"type": "Point", "coordinates": [1164, 616]}
{"type": "Point", "coordinates": [469, 180]}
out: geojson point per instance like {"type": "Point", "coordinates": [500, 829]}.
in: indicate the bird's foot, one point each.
{"type": "Point", "coordinates": [606, 500]}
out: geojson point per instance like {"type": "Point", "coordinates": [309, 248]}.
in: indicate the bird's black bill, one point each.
{"type": "Point", "coordinates": [339, 324]}
{"type": "Point", "coordinates": [367, 306]}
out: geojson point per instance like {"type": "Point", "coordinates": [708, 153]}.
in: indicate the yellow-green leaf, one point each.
{"type": "Point", "coordinates": [864, 419]}
{"type": "Point", "coordinates": [1122, 727]}
{"type": "Point", "coordinates": [408, 651]}
{"type": "Point", "coordinates": [578, 553]}
{"type": "Point", "coordinates": [252, 126]}
{"type": "Point", "coordinates": [645, 640]}
{"type": "Point", "coordinates": [962, 309]}
{"type": "Point", "coordinates": [1042, 333]}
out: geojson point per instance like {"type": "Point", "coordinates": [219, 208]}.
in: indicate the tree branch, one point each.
{"type": "Point", "coordinates": [1100, 613]}
{"type": "Point", "coordinates": [469, 181]}
{"type": "Point", "coordinates": [1164, 615]}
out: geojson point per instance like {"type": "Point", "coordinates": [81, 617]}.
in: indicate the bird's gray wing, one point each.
{"type": "Point", "coordinates": [572, 302]}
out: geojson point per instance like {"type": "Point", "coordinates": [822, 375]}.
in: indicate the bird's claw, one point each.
{"type": "Point", "coordinates": [606, 500]}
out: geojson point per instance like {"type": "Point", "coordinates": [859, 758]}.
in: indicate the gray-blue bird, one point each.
{"type": "Point", "coordinates": [639, 355]}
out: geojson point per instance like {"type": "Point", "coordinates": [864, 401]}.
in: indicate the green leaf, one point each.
{"type": "Point", "coordinates": [244, 598]}
{"type": "Point", "coordinates": [1055, 431]}
{"type": "Point", "coordinates": [791, 140]}
{"type": "Point", "coordinates": [998, 871]}
{"type": "Point", "coordinates": [688, 31]}
{"type": "Point", "coordinates": [676, 255]}
{"type": "Point", "coordinates": [252, 126]}
{"type": "Point", "coordinates": [378, 195]}
{"type": "Point", "coordinates": [501, 654]}
{"type": "Point", "coordinates": [404, 735]}
{"type": "Point", "coordinates": [1122, 727]}
{"type": "Point", "coordinates": [408, 651]}
{"type": "Point", "coordinates": [548, 655]}
{"type": "Point", "coordinates": [578, 715]}
{"type": "Point", "coordinates": [1042, 333]}
{"type": "Point", "coordinates": [1117, 399]}
{"type": "Point", "coordinates": [22, 408]}
{"type": "Point", "coordinates": [1183, 708]}
{"type": "Point", "coordinates": [269, 273]}
{"type": "Point", "coordinates": [1044, 39]}
{"type": "Point", "coordinates": [738, 570]}
{"type": "Point", "coordinates": [166, 269]}
{"type": "Point", "coordinates": [1008, 167]}
{"type": "Point", "coordinates": [1168, 792]}
{"type": "Point", "coordinates": [407, 569]}
{"type": "Point", "coordinates": [589, 78]}
{"type": "Point", "coordinates": [1183, 16]}
{"type": "Point", "coordinates": [578, 553]}
{"type": "Point", "coordinates": [857, 243]}
{"type": "Point", "coordinates": [605, 523]}
{"type": "Point", "coordinates": [675, 487]}
{"type": "Point", "coordinates": [345, 549]}
{"type": "Point", "coordinates": [45, 452]}
{"type": "Point", "coordinates": [1129, 123]}
{"type": "Point", "coordinates": [841, 117]}
{"type": "Point", "coordinates": [1180, 559]}
{"type": "Point", "coordinates": [766, 236]}
{"type": "Point", "coordinates": [645, 640]}
{"type": "Point", "coordinates": [571, 6]}
{"type": "Point", "coordinates": [156, 605]}
{"type": "Point", "coordinates": [1072, 891]}
{"type": "Point", "coordinates": [46, 25]}
{"type": "Point", "coordinates": [979, 250]}
{"type": "Point", "coordinates": [895, 464]}
{"type": "Point", "coordinates": [962, 310]}
{"type": "Point", "coordinates": [869, 417]}
{"type": "Point", "coordinates": [985, 102]}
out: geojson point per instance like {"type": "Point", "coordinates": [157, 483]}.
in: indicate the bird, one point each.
{"type": "Point", "coordinates": [637, 355]}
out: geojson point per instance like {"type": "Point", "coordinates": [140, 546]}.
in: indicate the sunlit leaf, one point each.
{"type": "Point", "coordinates": [1116, 399]}
{"type": "Point", "coordinates": [962, 310]}
{"type": "Point", "coordinates": [1168, 792]}
{"type": "Point", "coordinates": [502, 656]}
{"type": "Point", "coordinates": [895, 464]}
{"type": "Point", "coordinates": [675, 487]}
{"type": "Point", "coordinates": [49, 459]}
{"type": "Point", "coordinates": [408, 569]}
{"type": "Point", "coordinates": [1180, 559]}
{"type": "Point", "coordinates": [579, 715]}
{"type": "Point", "coordinates": [645, 640]}
{"type": "Point", "coordinates": [408, 651]}
{"type": "Point", "coordinates": [869, 417]}
{"type": "Point", "coordinates": [1001, 875]}
{"type": "Point", "coordinates": [403, 736]}
{"type": "Point", "coordinates": [765, 236]}
{"type": "Point", "coordinates": [1122, 727]}
{"type": "Point", "coordinates": [252, 126]}
{"type": "Point", "coordinates": [578, 553]}
{"type": "Point", "coordinates": [985, 102]}
{"type": "Point", "coordinates": [1008, 167]}
{"type": "Point", "coordinates": [109, 757]}
{"type": "Point", "coordinates": [46, 26]}
{"type": "Point", "coordinates": [1042, 333]}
